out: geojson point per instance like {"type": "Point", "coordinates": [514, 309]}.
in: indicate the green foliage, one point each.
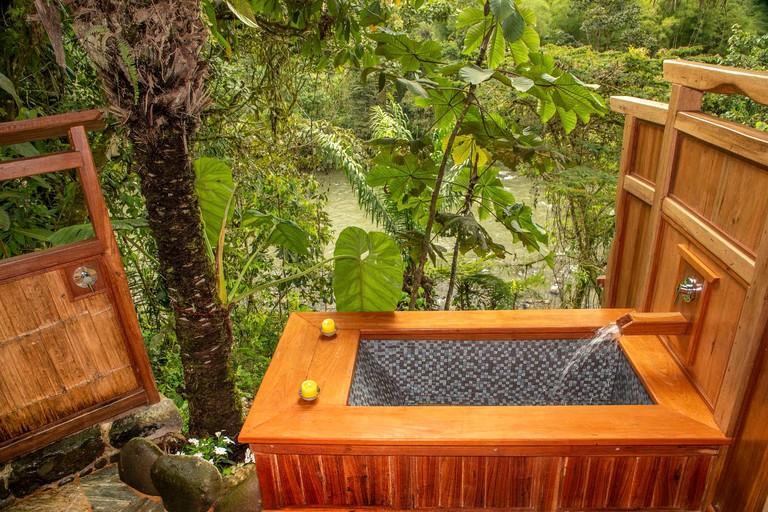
{"type": "Point", "coordinates": [368, 272]}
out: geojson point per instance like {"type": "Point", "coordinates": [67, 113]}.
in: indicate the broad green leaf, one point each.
{"type": "Point", "coordinates": [522, 83]}
{"type": "Point", "coordinates": [7, 86]}
{"type": "Point", "coordinates": [450, 69]}
{"type": "Point", "coordinates": [25, 149]}
{"type": "Point", "coordinates": [568, 118]}
{"type": "Point", "coordinates": [214, 187]}
{"type": "Point", "coordinates": [5, 220]}
{"type": "Point", "coordinates": [502, 8]}
{"type": "Point", "coordinates": [283, 233]}
{"type": "Point", "coordinates": [403, 176]}
{"type": "Point", "coordinates": [474, 37]}
{"type": "Point", "coordinates": [546, 110]}
{"type": "Point", "coordinates": [242, 9]}
{"type": "Point", "coordinates": [288, 235]}
{"type": "Point", "coordinates": [531, 38]}
{"type": "Point", "coordinates": [468, 17]}
{"type": "Point", "coordinates": [518, 221]}
{"type": "Point", "coordinates": [411, 54]}
{"type": "Point", "coordinates": [372, 14]}
{"type": "Point", "coordinates": [368, 271]}
{"type": "Point", "coordinates": [519, 52]}
{"type": "Point", "coordinates": [527, 13]}
{"type": "Point", "coordinates": [513, 26]}
{"type": "Point", "coordinates": [475, 75]}
{"type": "Point", "coordinates": [497, 48]}
{"type": "Point", "coordinates": [414, 87]}
{"type": "Point", "coordinates": [473, 236]}
{"type": "Point", "coordinates": [465, 149]}
{"type": "Point", "coordinates": [448, 105]}
{"type": "Point", "coordinates": [41, 234]}
{"type": "Point", "coordinates": [71, 234]}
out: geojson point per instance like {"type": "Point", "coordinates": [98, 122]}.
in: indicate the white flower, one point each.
{"type": "Point", "coordinates": [199, 454]}
{"type": "Point", "coordinates": [218, 434]}
{"type": "Point", "coordinates": [249, 457]}
{"type": "Point", "coordinates": [228, 440]}
{"type": "Point", "coordinates": [193, 441]}
{"type": "Point", "coordinates": [220, 450]}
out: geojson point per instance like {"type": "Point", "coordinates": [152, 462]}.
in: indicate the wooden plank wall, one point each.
{"type": "Point", "coordinates": [692, 203]}
{"type": "Point", "coordinates": [544, 483]}
{"type": "Point", "coordinates": [71, 356]}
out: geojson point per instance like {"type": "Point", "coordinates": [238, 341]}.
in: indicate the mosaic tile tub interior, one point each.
{"type": "Point", "coordinates": [508, 372]}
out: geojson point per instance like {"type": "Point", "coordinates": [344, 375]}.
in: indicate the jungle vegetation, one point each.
{"type": "Point", "coordinates": [222, 114]}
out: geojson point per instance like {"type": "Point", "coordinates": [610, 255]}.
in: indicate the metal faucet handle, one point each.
{"type": "Point", "coordinates": [688, 290]}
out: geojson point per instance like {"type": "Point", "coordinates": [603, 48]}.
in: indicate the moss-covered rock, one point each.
{"type": "Point", "coordinates": [136, 459]}
{"type": "Point", "coordinates": [153, 421]}
{"type": "Point", "coordinates": [241, 491]}
{"type": "Point", "coordinates": [56, 461]}
{"type": "Point", "coordinates": [186, 483]}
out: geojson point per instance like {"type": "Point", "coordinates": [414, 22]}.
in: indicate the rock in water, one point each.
{"type": "Point", "coordinates": [136, 460]}
{"type": "Point", "coordinates": [186, 483]}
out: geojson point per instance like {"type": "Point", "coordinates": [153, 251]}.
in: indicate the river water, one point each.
{"type": "Point", "coordinates": [344, 210]}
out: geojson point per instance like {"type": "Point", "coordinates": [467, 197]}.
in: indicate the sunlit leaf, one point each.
{"type": "Point", "coordinates": [214, 187]}
{"type": "Point", "coordinates": [475, 75]}
{"type": "Point", "coordinates": [242, 9]}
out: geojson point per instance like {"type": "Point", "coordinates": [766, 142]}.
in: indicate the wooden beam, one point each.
{"type": "Point", "coordinates": [718, 79]}
{"type": "Point", "coordinates": [636, 323]}
{"type": "Point", "coordinates": [121, 295]}
{"type": "Point", "coordinates": [49, 127]}
{"type": "Point", "coordinates": [743, 141]}
{"type": "Point", "coordinates": [647, 110]}
{"type": "Point", "coordinates": [682, 99]}
{"type": "Point", "coordinates": [731, 256]}
{"type": "Point", "coordinates": [42, 261]}
{"type": "Point", "coordinates": [32, 166]}
{"type": "Point", "coordinates": [640, 189]}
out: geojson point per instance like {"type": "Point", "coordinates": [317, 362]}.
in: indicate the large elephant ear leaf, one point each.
{"type": "Point", "coordinates": [214, 187]}
{"type": "Point", "coordinates": [368, 272]}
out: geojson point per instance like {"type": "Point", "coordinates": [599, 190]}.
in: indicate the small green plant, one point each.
{"type": "Point", "coordinates": [216, 450]}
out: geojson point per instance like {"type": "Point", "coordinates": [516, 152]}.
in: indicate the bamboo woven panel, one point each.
{"type": "Point", "coordinates": [59, 357]}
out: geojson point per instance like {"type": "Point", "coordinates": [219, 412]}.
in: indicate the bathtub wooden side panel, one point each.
{"type": "Point", "coordinates": [544, 484]}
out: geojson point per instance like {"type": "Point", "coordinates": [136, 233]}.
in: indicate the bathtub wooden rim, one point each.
{"type": "Point", "coordinates": [279, 417]}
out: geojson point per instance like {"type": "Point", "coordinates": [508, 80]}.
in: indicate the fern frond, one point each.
{"type": "Point", "coordinates": [391, 122]}
{"type": "Point", "coordinates": [337, 150]}
{"type": "Point", "coordinates": [130, 64]}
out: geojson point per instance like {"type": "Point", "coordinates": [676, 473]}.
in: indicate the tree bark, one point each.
{"type": "Point", "coordinates": [148, 55]}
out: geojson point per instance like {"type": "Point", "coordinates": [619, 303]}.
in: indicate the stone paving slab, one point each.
{"type": "Point", "coordinates": [101, 491]}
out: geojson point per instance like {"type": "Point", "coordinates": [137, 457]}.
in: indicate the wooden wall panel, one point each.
{"type": "Point", "coordinates": [749, 453]}
{"type": "Point", "coordinates": [59, 356]}
{"type": "Point", "coordinates": [635, 252]}
{"type": "Point", "coordinates": [544, 484]}
{"type": "Point", "coordinates": [709, 354]}
{"type": "Point", "coordinates": [646, 160]}
{"type": "Point", "coordinates": [724, 189]}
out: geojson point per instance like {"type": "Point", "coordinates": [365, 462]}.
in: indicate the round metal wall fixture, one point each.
{"type": "Point", "coordinates": [85, 277]}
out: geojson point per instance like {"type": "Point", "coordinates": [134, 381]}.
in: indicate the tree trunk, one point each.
{"type": "Point", "coordinates": [147, 53]}
{"type": "Point", "coordinates": [202, 326]}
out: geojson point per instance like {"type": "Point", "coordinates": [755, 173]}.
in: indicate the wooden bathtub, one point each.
{"type": "Point", "coordinates": [544, 458]}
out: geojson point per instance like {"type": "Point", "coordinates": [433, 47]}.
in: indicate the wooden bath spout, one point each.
{"type": "Point", "coordinates": [652, 323]}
